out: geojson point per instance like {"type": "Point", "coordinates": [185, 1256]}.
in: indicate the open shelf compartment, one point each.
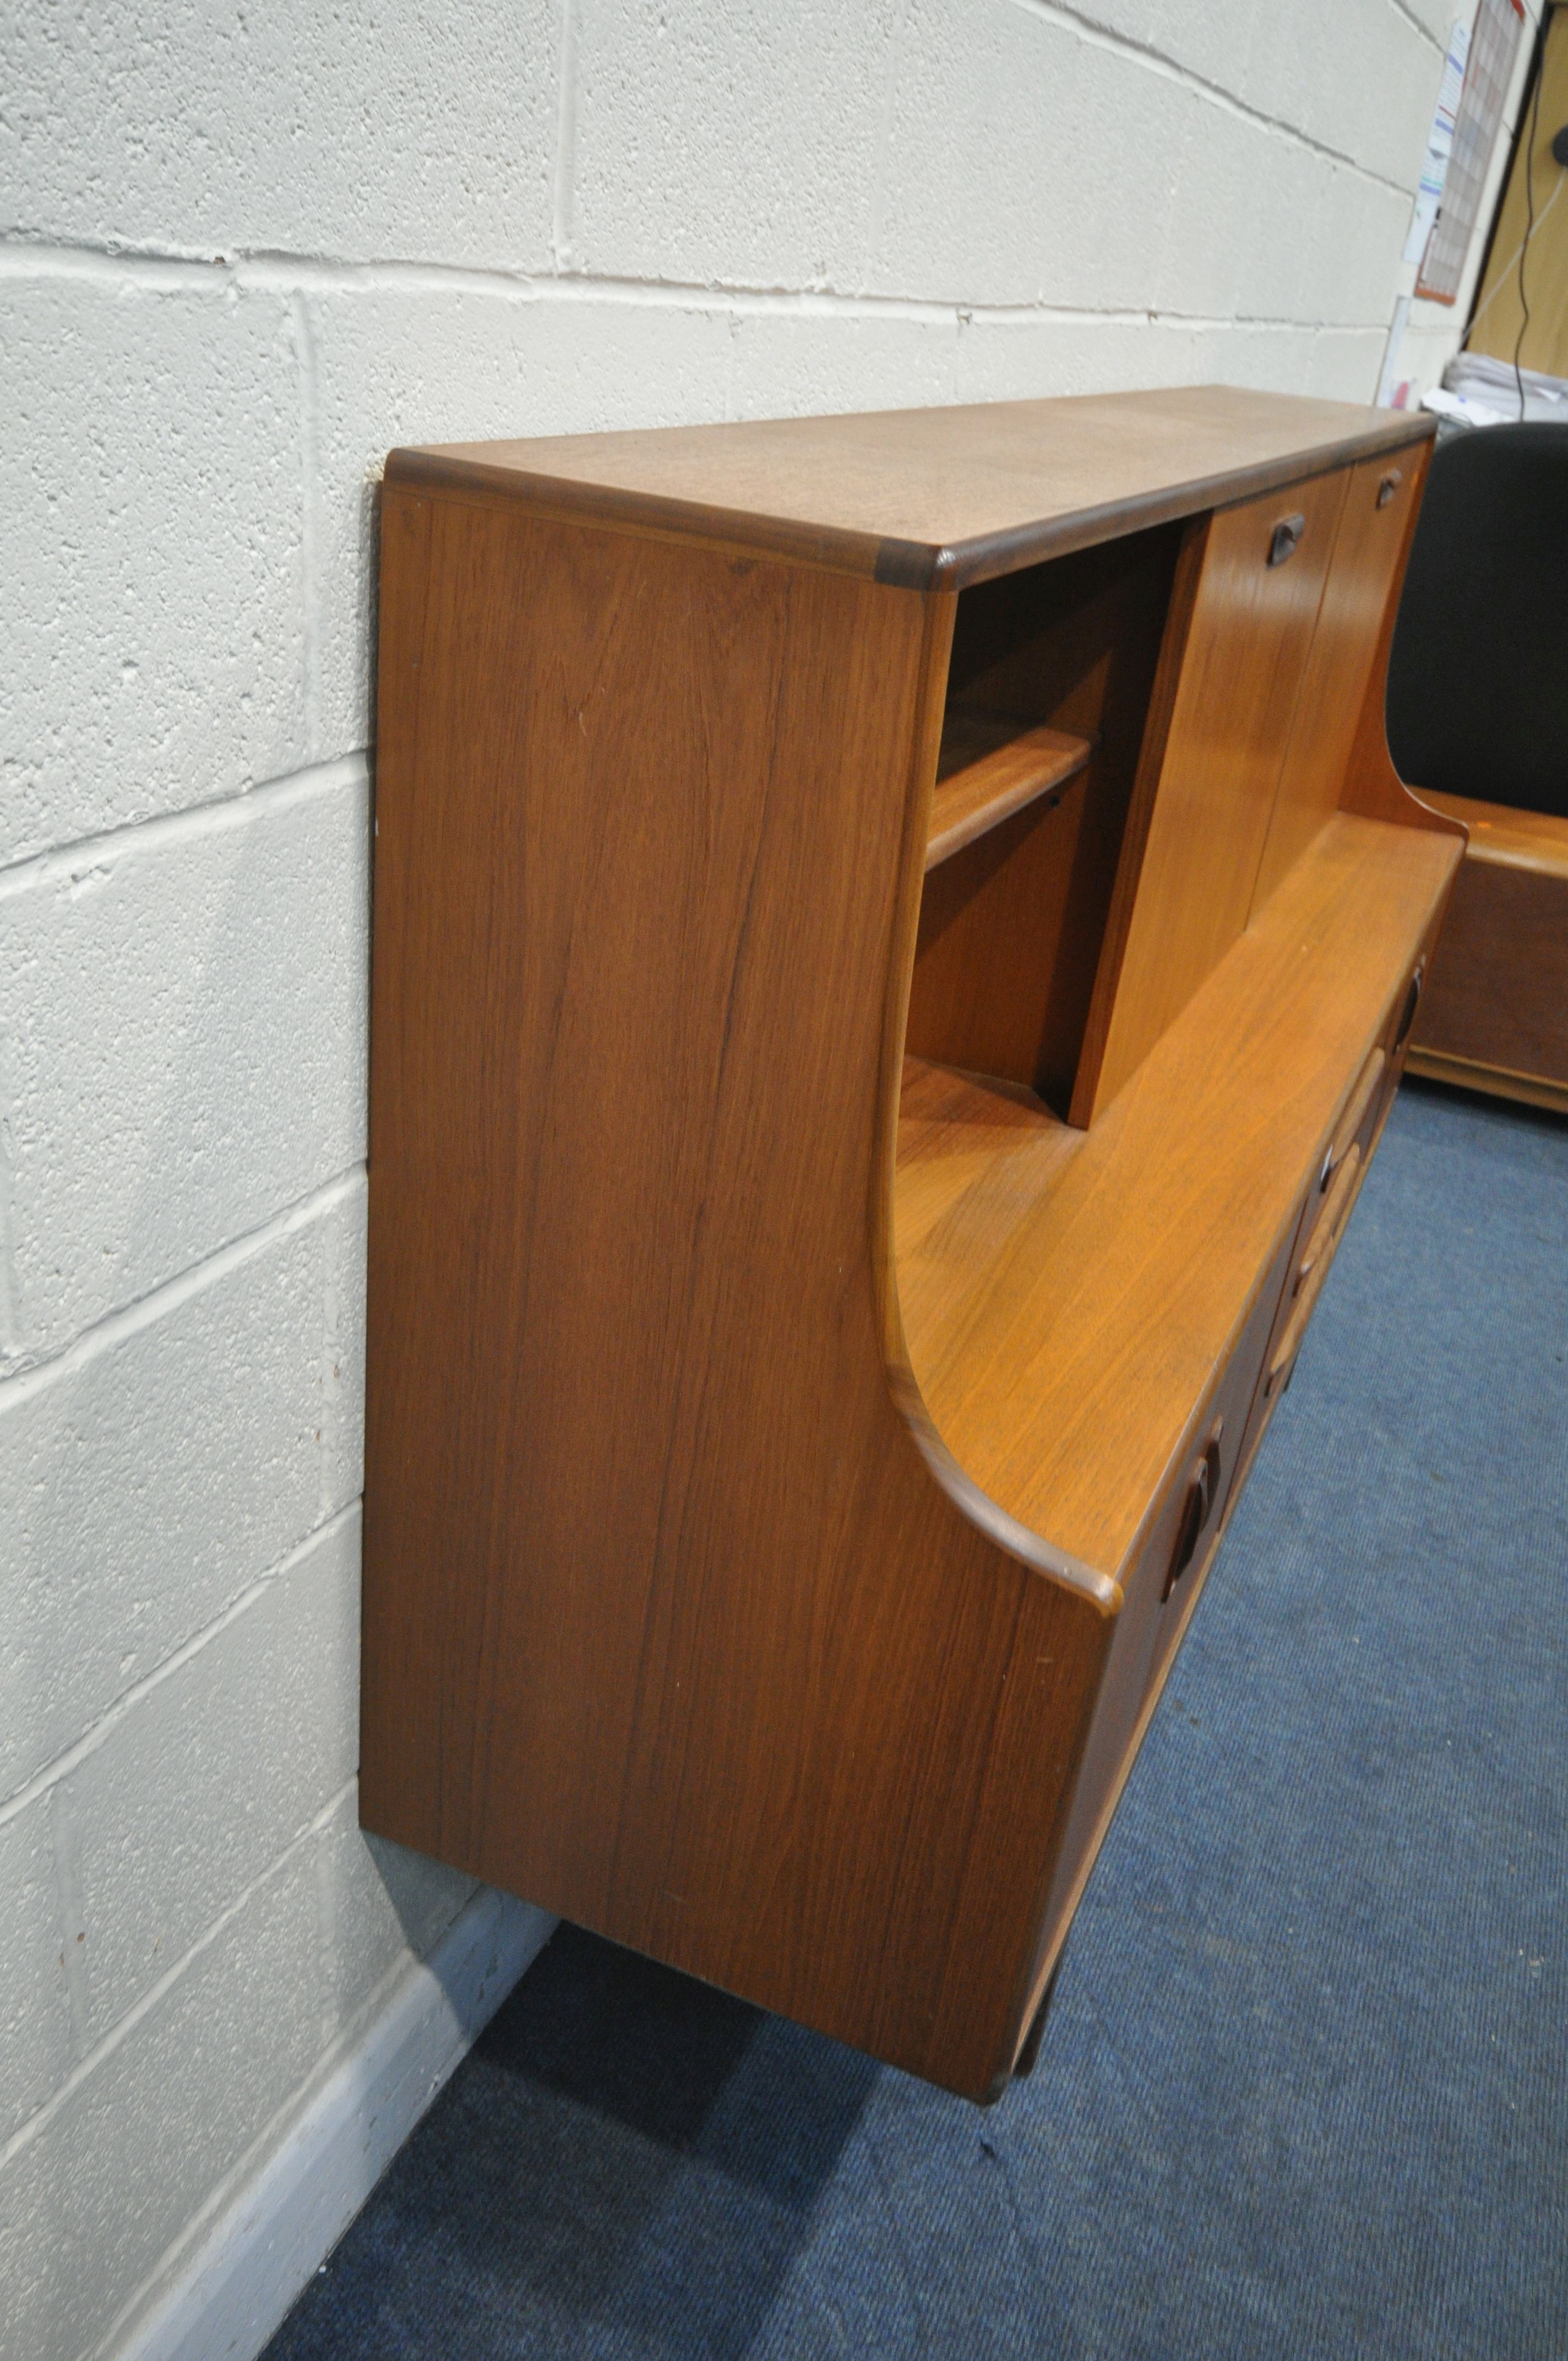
{"type": "Point", "coordinates": [1067, 1294]}
{"type": "Point", "coordinates": [1048, 692]}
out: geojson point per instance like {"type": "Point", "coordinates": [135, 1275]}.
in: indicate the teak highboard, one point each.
{"type": "Point", "coordinates": [895, 938]}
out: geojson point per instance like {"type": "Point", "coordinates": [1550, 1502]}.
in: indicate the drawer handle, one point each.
{"type": "Point", "coordinates": [1286, 539]}
{"type": "Point", "coordinates": [1354, 1117]}
{"type": "Point", "coordinates": [1325, 1236]}
{"type": "Point", "coordinates": [1325, 1239]}
{"type": "Point", "coordinates": [1282, 1369]}
{"type": "Point", "coordinates": [1412, 1002]}
{"type": "Point", "coordinates": [1203, 1491]}
{"type": "Point", "coordinates": [1388, 487]}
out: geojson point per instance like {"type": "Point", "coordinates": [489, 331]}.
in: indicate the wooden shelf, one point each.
{"type": "Point", "coordinates": [988, 769]}
{"type": "Point", "coordinates": [1067, 1296]}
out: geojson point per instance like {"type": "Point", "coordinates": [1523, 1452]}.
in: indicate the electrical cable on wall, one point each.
{"type": "Point", "coordinates": [1522, 206]}
{"type": "Point", "coordinates": [1531, 138]}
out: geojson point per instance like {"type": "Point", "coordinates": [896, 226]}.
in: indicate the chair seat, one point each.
{"type": "Point", "coordinates": [1477, 687]}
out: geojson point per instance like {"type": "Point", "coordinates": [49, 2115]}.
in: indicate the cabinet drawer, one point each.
{"type": "Point", "coordinates": [1356, 1134]}
{"type": "Point", "coordinates": [1160, 1593]}
{"type": "Point", "coordinates": [1330, 1201]}
{"type": "Point", "coordinates": [1213, 1477]}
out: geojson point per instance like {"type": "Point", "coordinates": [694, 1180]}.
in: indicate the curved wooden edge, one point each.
{"type": "Point", "coordinates": [1070, 1315]}
{"type": "Point", "coordinates": [896, 564]}
{"type": "Point", "coordinates": [564, 499]}
{"type": "Point", "coordinates": [981, 559]}
{"type": "Point", "coordinates": [980, 796]}
{"type": "Point", "coordinates": [1373, 788]}
{"type": "Point", "coordinates": [1505, 836]}
{"type": "Point", "coordinates": [1015, 1540]}
{"type": "Point", "coordinates": [1381, 793]}
{"type": "Point", "coordinates": [1442, 823]}
{"type": "Point", "coordinates": [1495, 1082]}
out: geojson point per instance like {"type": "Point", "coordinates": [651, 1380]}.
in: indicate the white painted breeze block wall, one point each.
{"type": "Point", "coordinates": [247, 251]}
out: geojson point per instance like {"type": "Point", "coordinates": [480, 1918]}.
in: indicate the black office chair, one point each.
{"type": "Point", "coordinates": [1478, 675]}
{"type": "Point", "coordinates": [1478, 715]}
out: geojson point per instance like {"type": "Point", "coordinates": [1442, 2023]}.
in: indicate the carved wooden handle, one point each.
{"type": "Point", "coordinates": [1203, 1491]}
{"type": "Point", "coordinates": [1407, 1013]}
{"type": "Point", "coordinates": [1350, 1123]}
{"type": "Point", "coordinates": [1286, 539]}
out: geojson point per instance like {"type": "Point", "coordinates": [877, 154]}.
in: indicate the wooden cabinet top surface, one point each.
{"type": "Point", "coordinates": [930, 499]}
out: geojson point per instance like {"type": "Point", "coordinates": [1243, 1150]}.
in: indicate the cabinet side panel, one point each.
{"type": "Point", "coordinates": [668, 1627]}
{"type": "Point", "coordinates": [399, 1745]}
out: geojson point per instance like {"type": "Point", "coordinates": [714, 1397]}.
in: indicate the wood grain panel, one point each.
{"type": "Point", "coordinates": [1497, 994]}
{"type": "Point", "coordinates": [1127, 855]}
{"type": "Point", "coordinates": [1368, 557]}
{"type": "Point", "coordinates": [1372, 786]}
{"type": "Point", "coordinates": [635, 1475]}
{"type": "Point", "coordinates": [1518, 839]}
{"type": "Point", "coordinates": [1494, 1082]}
{"type": "Point", "coordinates": [989, 770]}
{"type": "Point", "coordinates": [1009, 935]}
{"type": "Point", "coordinates": [930, 499]}
{"type": "Point", "coordinates": [1066, 1333]}
{"type": "Point", "coordinates": [998, 988]}
{"type": "Point", "coordinates": [1150, 1628]}
{"type": "Point", "coordinates": [1244, 659]}
{"type": "Point", "coordinates": [758, 1486]}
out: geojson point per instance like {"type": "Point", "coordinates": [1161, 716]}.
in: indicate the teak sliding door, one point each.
{"type": "Point", "coordinates": [1207, 813]}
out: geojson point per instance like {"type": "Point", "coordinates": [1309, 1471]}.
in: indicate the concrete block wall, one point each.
{"type": "Point", "coordinates": [245, 251]}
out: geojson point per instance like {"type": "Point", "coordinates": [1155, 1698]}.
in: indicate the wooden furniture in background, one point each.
{"type": "Point", "coordinates": [894, 939]}
{"type": "Point", "coordinates": [1477, 720]}
{"type": "Point", "coordinates": [1496, 1019]}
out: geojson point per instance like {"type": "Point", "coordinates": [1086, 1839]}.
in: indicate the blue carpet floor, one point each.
{"type": "Point", "coordinates": [1304, 2087]}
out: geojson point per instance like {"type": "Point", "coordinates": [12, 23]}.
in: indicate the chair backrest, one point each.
{"type": "Point", "coordinates": [1478, 676]}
